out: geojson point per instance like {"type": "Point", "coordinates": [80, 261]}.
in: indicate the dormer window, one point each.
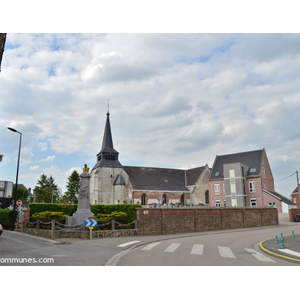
{"type": "Point", "coordinates": [252, 170]}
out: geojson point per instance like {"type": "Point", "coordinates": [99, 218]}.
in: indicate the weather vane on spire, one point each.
{"type": "Point", "coordinates": [108, 106]}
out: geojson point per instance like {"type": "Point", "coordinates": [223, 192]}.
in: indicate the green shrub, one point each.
{"type": "Point", "coordinates": [66, 209]}
{"type": "Point", "coordinates": [70, 209]}
{"type": "Point", "coordinates": [129, 209]}
{"type": "Point", "coordinates": [120, 217]}
{"type": "Point", "coordinates": [48, 216]}
{"type": "Point", "coordinates": [6, 216]}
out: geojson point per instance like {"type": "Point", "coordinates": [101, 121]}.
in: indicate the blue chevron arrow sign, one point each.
{"type": "Point", "coordinates": [90, 223]}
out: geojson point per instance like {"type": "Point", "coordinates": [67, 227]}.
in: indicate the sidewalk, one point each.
{"type": "Point", "coordinates": [288, 248]}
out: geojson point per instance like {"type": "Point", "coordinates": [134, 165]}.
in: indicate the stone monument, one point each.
{"type": "Point", "coordinates": [84, 208]}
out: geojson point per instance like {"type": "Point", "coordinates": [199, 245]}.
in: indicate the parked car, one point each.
{"type": "Point", "coordinates": [297, 219]}
{"type": "Point", "coordinates": [1, 229]}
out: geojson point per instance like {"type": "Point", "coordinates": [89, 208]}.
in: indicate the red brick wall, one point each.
{"type": "Point", "coordinates": [293, 213]}
{"type": "Point", "coordinates": [180, 220]}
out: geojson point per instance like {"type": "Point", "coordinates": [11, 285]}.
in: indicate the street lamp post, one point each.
{"type": "Point", "coordinates": [17, 176]}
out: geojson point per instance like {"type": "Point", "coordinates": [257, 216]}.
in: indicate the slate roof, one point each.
{"type": "Point", "coordinates": [252, 159]}
{"type": "Point", "coordinates": [108, 156]}
{"type": "Point", "coordinates": [295, 191]}
{"type": "Point", "coordinates": [162, 179]}
{"type": "Point", "coordinates": [193, 174]}
{"type": "Point", "coordinates": [280, 197]}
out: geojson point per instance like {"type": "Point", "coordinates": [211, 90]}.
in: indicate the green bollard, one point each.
{"type": "Point", "coordinates": [281, 235]}
{"type": "Point", "coordinates": [293, 234]}
{"type": "Point", "coordinates": [282, 246]}
{"type": "Point", "coordinates": [276, 240]}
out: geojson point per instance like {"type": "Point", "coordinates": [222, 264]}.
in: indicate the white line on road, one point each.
{"type": "Point", "coordinates": [172, 247]}
{"type": "Point", "coordinates": [226, 252]}
{"type": "Point", "coordinates": [258, 255]}
{"type": "Point", "coordinates": [197, 249]}
{"type": "Point", "coordinates": [288, 251]}
{"type": "Point", "coordinates": [127, 244]}
{"type": "Point", "coordinates": [151, 246]}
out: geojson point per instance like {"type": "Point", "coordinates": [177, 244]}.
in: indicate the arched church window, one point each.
{"type": "Point", "coordinates": [182, 199]}
{"type": "Point", "coordinates": [164, 199]}
{"type": "Point", "coordinates": [143, 199]}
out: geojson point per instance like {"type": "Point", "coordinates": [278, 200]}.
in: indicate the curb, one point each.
{"type": "Point", "coordinates": [276, 254]}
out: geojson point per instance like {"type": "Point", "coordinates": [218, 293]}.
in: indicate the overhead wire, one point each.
{"type": "Point", "coordinates": [286, 177]}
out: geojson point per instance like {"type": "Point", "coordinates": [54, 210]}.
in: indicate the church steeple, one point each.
{"type": "Point", "coordinates": [108, 156]}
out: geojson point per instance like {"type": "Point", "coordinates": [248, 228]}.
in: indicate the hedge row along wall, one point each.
{"type": "Point", "coordinates": [70, 209]}
{"type": "Point", "coordinates": [180, 220]}
{"type": "Point", "coordinates": [6, 216]}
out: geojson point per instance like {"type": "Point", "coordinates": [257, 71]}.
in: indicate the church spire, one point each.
{"type": "Point", "coordinates": [108, 156]}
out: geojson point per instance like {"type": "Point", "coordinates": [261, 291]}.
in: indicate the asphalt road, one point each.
{"type": "Point", "coordinates": [219, 248]}
{"type": "Point", "coordinates": [230, 248]}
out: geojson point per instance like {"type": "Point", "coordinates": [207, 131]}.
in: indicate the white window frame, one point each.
{"type": "Point", "coordinates": [253, 202]}
{"type": "Point", "coordinates": [218, 203]}
{"type": "Point", "coordinates": [217, 188]}
{"type": "Point", "coordinates": [273, 204]}
{"type": "Point", "coordinates": [252, 186]}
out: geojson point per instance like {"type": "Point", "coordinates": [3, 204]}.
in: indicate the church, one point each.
{"type": "Point", "coordinates": [112, 183]}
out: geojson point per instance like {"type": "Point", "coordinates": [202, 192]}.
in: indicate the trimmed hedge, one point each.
{"type": "Point", "coordinates": [48, 216]}
{"type": "Point", "coordinates": [70, 209]}
{"type": "Point", "coordinates": [66, 209]}
{"type": "Point", "coordinates": [108, 209]}
{"type": "Point", "coordinates": [6, 216]}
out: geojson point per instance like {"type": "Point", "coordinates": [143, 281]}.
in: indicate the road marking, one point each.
{"type": "Point", "coordinates": [226, 252]}
{"type": "Point", "coordinates": [258, 255]}
{"type": "Point", "coordinates": [172, 247]}
{"type": "Point", "coordinates": [288, 251]}
{"type": "Point", "coordinates": [197, 249]}
{"type": "Point", "coordinates": [127, 244]}
{"type": "Point", "coordinates": [151, 246]}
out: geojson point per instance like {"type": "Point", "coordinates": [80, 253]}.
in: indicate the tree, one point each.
{"type": "Point", "coordinates": [73, 185]}
{"type": "Point", "coordinates": [46, 190]}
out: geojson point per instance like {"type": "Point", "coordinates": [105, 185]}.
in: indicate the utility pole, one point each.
{"type": "Point", "coordinates": [298, 204]}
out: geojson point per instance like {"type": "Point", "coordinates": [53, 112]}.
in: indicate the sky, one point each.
{"type": "Point", "coordinates": [175, 101]}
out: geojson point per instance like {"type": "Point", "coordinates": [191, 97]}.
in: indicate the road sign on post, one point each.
{"type": "Point", "coordinates": [90, 223]}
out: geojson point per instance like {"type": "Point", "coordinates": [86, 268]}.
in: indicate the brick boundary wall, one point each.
{"type": "Point", "coordinates": [293, 212]}
{"type": "Point", "coordinates": [153, 221]}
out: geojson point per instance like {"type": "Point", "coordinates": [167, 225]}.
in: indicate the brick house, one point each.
{"type": "Point", "coordinates": [244, 180]}
{"type": "Point", "coordinates": [295, 197]}
{"type": "Point", "coordinates": [112, 183]}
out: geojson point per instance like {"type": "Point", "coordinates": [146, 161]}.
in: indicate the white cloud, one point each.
{"type": "Point", "coordinates": [48, 158]}
{"type": "Point", "coordinates": [34, 168]}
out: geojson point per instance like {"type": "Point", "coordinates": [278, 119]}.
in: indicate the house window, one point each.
{"type": "Point", "coordinates": [218, 203]}
{"type": "Point", "coordinates": [294, 200]}
{"type": "Point", "coordinates": [272, 204]}
{"type": "Point", "coordinates": [217, 189]}
{"type": "Point", "coordinates": [251, 186]}
{"type": "Point", "coordinates": [224, 203]}
{"type": "Point", "coordinates": [224, 188]}
{"type": "Point", "coordinates": [233, 196]}
{"type": "Point", "coordinates": [253, 202]}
